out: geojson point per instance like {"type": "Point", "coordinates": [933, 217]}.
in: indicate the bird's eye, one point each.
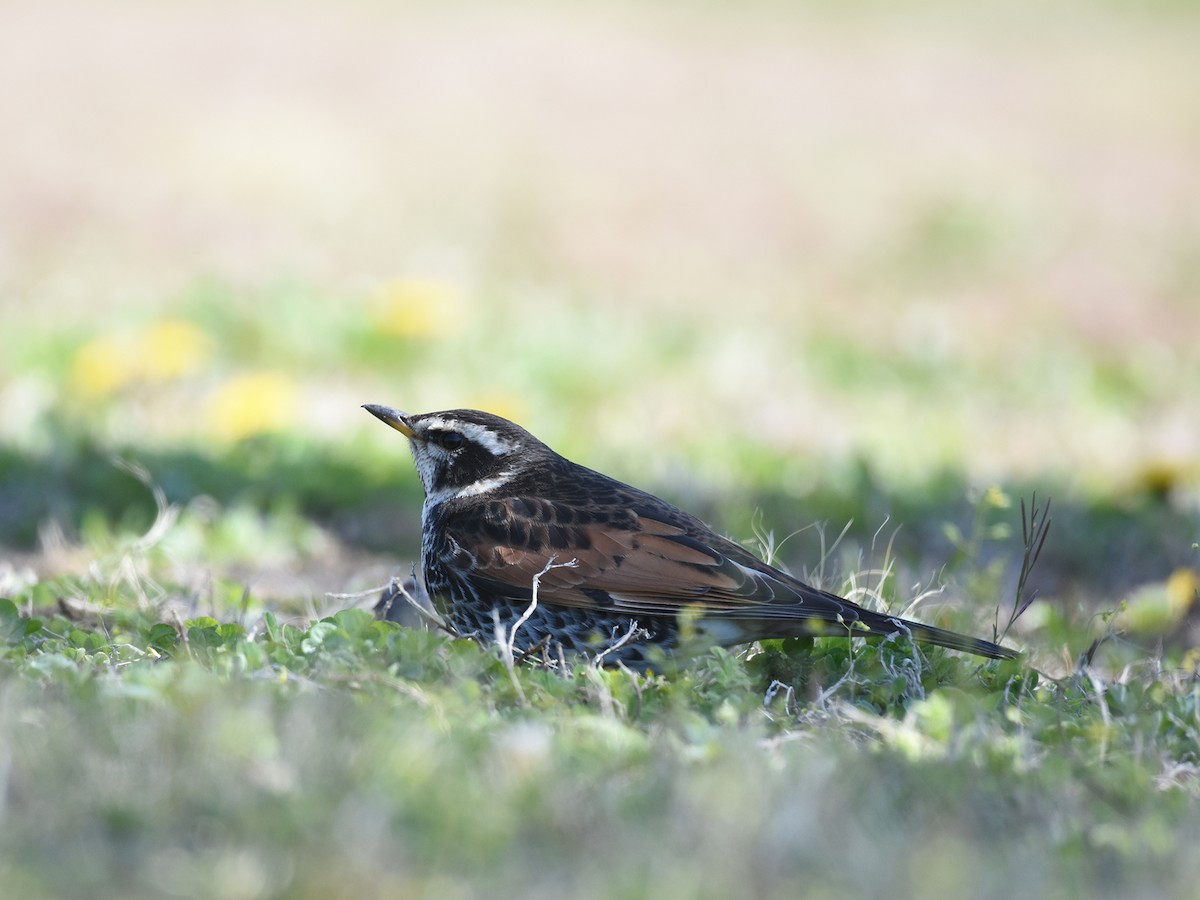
{"type": "Point", "coordinates": [451, 440]}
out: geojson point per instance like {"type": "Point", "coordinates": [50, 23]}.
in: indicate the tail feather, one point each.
{"type": "Point", "coordinates": [881, 625]}
{"type": "Point", "coordinates": [953, 640]}
{"type": "Point", "coordinates": [811, 612]}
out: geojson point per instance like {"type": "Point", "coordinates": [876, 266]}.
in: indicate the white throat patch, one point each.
{"type": "Point", "coordinates": [437, 498]}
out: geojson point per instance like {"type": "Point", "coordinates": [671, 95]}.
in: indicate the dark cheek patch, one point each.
{"type": "Point", "coordinates": [465, 468]}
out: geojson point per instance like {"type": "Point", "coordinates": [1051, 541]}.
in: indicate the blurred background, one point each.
{"type": "Point", "coordinates": [783, 263]}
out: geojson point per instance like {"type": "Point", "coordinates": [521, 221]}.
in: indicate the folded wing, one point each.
{"type": "Point", "coordinates": [634, 561]}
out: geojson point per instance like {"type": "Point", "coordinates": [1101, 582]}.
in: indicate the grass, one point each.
{"type": "Point", "coordinates": [353, 757]}
{"type": "Point", "coordinates": [847, 284]}
{"type": "Point", "coordinates": [163, 740]}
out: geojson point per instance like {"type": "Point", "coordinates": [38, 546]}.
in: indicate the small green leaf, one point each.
{"type": "Point", "coordinates": [318, 634]}
{"type": "Point", "coordinates": [11, 627]}
{"type": "Point", "coordinates": [163, 637]}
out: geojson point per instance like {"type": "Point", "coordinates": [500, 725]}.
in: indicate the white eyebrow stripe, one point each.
{"type": "Point", "coordinates": [472, 431]}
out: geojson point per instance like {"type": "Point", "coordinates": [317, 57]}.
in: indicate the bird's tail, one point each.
{"type": "Point", "coordinates": [811, 612]}
{"type": "Point", "coordinates": [928, 634]}
{"type": "Point", "coordinates": [761, 623]}
{"type": "Point", "coordinates": [881, 625]}
{"type": "Point", "coordinates": [800, 610]}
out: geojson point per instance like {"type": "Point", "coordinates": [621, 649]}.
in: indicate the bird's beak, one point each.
{"type": "Point", "coordinates": [393, 417]}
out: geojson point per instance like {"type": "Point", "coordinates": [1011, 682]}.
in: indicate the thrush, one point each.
{"type": "Point", "coordinates": [520, 544]}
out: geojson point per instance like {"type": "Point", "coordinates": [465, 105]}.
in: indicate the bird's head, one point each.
{"type": "Point", "coordinates": [463, 452]}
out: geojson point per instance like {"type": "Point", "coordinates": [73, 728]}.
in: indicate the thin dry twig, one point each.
{"type": "Point", "coordinates": [635, 632]}
{"type": "Point", "coordinates": [429, 616]}
{"type": "Point", "coordinates": [165, 513]}
{"type": "Point", "coordinates": [789, 696]}
{"type": "Point", "coordinates": [508, 641]}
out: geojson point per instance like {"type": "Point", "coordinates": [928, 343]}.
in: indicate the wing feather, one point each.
{"type": "Point", "coordinates": [644, 565]}
{"type": "Point", "coordinates": [629, 559]}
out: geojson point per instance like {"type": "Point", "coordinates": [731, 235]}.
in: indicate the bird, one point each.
{"type": "Point", "coordinates": [521, 545]}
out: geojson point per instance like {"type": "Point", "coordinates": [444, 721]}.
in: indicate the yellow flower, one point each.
{"type": "Point", "coordinates": [102, 366]}
{"type": "Point", "coordinates": [410, 308]}
{"type": "Point", "coordinates": [251, 404]}
{"type": "Point", "coordinates": [1157, 608]}
{"type": "Point", "coordinates": [171, 349]}
{"type": "Point", "coordinates": [1183, 587]}
{"type": "Point", "coordinates": [166, 350]}
{"type": "Point", "coordinates": [996, 498]}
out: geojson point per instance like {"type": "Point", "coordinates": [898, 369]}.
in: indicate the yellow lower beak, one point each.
{"type": "Point", "coordinates": [393, 417]}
